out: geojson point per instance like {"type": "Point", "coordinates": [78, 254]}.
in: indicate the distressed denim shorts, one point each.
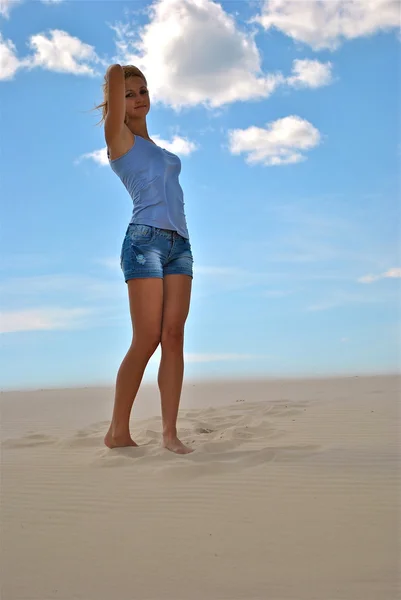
{"type": "Point", "coordinates": [149, 251]}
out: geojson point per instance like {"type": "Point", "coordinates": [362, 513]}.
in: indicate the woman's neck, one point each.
{"type": "Point", "coordinates": [139, 129]}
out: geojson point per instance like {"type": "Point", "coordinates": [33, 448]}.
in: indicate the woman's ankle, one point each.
{"type": "Point", "coordinates": [118, 430]}
{"type": "Point", "coordinates": [169, 433]}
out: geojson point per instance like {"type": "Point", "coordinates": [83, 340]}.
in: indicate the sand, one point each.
{"type": "Point", "coordinates": [292, 493]}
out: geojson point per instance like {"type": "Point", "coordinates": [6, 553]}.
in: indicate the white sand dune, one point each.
{"type": "Point", "coordinates": [292, 493]}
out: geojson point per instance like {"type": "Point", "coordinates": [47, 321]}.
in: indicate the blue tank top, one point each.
{"type": "Point", "coordinates": [150, 175]}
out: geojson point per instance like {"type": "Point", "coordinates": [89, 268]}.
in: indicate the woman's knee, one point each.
{"type": "Point", "coordinates": [172, 337]}
{"type": "Point", "coordinates": [148, 341]}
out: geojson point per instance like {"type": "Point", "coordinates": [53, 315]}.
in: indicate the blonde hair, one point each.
{"type": "Point", "coordinates": [129, 71]}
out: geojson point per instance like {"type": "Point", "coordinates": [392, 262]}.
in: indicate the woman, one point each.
{"type": "Point", "coordinates": [156, 256]}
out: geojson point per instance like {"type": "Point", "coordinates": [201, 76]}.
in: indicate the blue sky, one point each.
{"type": "Point", "coordinates": [284, 114]}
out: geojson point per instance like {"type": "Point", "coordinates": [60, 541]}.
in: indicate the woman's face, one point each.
{"type": "Point", "coordinates": [137, 102]}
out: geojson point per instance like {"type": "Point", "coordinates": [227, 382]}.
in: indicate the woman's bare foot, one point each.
{"type": "Point", "coordinates": [118, 441]}
{"type": "Point", "coordinates": [175, 445]}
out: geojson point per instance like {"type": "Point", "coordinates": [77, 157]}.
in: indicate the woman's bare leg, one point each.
{"type": "Point", "coordinates": [177, 294]}
{"type": "Point", "coordinates": [146, 306]}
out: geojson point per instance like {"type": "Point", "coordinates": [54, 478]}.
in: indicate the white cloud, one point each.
{"type": "Point", "coordinates": [281, 142]}
{"type": "Point", "coordinates": [276, 293]}
{"type": "Point", "coordinates": [9, 62]}
{"type": "Point", "coordinates": [56, 51]}
{"type": "Point", "coordinates": [310, 73]}
{"type": "Point", "coordinates": [341, 298]}
{"type": "Point", "coordinates": [390, 274]}
{"type": "Point", "coordinates": [196, 358]}
{"type": "Point", "coordinates": [393, 273]}
{"type": "Point", "coordinates": [59, 51]}
{"type": "Point", "coordinates": [220, 271]}
{"type": "Point", "coordinates": [13, 321]}
{"type": "Point", "coordinates": [178, 145]}
{"type": "Point", "coordinates": [110, 263]}
{"type": "Point", "coordinates": [55, 288]}
{"type": "Point", "coordinates": [193, 357]}
{"type": "Point", "coordinates": [327, 24]}
{"type": "Point", "coordinates": [98, 156]}
{"type": "Point", "coordinates": [5, 6]}
{"type": "Point", "coordinates": [192, 53]}
{"type": "Point", "coordinates": [368, 279]}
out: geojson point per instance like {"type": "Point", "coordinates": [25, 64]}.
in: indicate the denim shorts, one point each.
{"type": "Point", "coordinates": [149, 251]}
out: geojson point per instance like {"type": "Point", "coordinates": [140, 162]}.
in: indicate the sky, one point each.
{"type": "Point", "coordinates": [285, 116]}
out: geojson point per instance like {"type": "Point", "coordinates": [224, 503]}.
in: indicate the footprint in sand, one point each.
{"type": "Point", "coordinates": [203, 430]}
{"type": "Point", "coordinates": [30, 440]}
